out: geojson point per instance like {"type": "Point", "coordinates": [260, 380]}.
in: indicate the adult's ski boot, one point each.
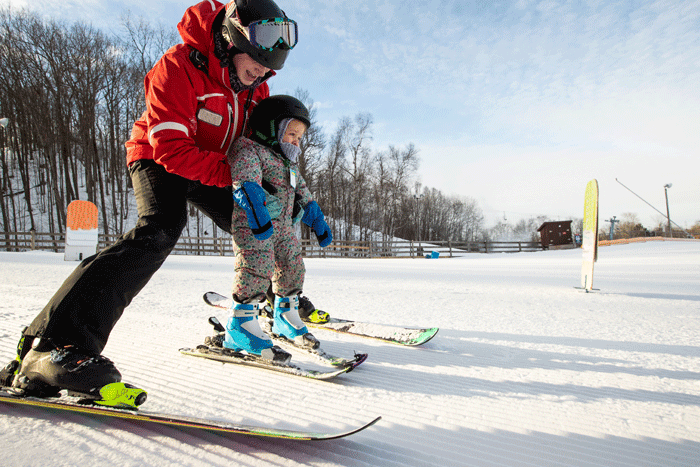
{"type": "Point", "coordinates": [46, 369]}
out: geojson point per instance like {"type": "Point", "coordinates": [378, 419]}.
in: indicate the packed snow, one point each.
{"type": "Point", "coordinates": [527, 370]}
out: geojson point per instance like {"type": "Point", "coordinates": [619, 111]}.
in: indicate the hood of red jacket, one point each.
{"type": "Point", "coordinates": [195, 28]}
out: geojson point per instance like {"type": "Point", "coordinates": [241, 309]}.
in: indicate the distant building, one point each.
{"type": "Point", "coordinates": [556, 234]}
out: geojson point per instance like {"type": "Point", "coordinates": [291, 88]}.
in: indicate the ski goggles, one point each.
{"type": "Point", "coordinates": [267, 34]}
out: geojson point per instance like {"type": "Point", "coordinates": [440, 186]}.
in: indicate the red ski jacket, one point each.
{"type": "Point", "coordinates": [192, 114]}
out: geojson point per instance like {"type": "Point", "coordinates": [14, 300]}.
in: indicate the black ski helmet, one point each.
{"type": "Point", "coordinates": [266, 117]}
{"type": "Point", "coordinates": [244, 12]}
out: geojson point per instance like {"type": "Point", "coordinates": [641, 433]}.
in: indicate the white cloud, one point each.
{"type": "Point", "coordinates": [15, 4]}
{"type": "Point", "coordinates": [335, 31]}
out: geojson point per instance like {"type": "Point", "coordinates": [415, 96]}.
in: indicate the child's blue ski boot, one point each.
{"type": "Point", "coordinates": [243, 333]}
{"type": "Point", "coordinates": [289, 325]}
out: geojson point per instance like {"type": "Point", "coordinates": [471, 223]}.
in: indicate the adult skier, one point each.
{"type": "Point", "coordinates": [198, 96]}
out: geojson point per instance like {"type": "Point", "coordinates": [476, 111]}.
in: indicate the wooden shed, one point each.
{"type": "Point", "coordinates": [555, 234]}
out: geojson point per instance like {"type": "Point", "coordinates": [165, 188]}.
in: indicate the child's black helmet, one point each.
{"type": "Point", "coordinates": [266, 117]}
{"type": "Point", "coordinates": [260, 29]}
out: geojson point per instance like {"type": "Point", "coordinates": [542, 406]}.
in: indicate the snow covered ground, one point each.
{"type": "Point", "coordinates": [525, 371]}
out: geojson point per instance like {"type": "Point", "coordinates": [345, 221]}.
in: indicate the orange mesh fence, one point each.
{"type": "Point", "coordinates": [81, 215]}
{"type": "Point", "coordinates": [624, 241]}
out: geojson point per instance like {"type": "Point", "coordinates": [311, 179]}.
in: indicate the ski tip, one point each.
{"type": "Point", "coordinates": [357, 430]}
{"type": "Point", "coordinates": [367, 425]}
{"type": "Point", "coordinates": [359, 359]}
{"type": "Point", "coordinates": [424, 337]}
{"type": "Point", "coordinates": [208, 296]}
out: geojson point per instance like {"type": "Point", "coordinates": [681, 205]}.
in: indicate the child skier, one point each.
{"type": "Point", "coordinates": [270, 196]}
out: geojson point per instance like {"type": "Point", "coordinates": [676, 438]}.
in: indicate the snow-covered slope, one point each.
{"type": "Point", "coordinates": [526, 369]}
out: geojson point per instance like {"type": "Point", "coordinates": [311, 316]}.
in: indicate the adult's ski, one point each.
{"type": "Point", "coordinates": [65, 403]}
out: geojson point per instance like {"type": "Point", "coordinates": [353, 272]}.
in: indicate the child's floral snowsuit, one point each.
{"type": "Point", "coordinates": [279, 257]}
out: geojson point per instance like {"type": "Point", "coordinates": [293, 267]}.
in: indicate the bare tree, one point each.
{"type": "Point", "coordinates": [145, 44]}
{"type": "Point", "coordinates": [402, 164]}
{"type": "Point", "coordinates": [114, 125]}
{"type": "Point", "coordinates": [358, 171]}
{"type": "Point", "coordinates": [313, 143]}
{"type": "Point", "coordinates": [329, 183]}
{"type": "Point", "coordinates": [630, 226]}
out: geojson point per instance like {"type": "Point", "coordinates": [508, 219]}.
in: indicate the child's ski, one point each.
{"type": "Point", "coordinates": [224, 355]}
{"type": "Point", "coordinates": [391, 334]}
{"type": "Point", "coordinates": [219, 301]}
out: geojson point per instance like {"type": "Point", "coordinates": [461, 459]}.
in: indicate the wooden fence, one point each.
{"type": "Point", "coordinates": [221, 246]}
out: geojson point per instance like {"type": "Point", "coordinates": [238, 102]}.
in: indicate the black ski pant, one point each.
{"type": "Point", "coordinates": [86, 307]}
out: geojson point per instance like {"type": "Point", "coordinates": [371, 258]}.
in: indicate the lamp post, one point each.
{"type": "Point", "coordinates": [668, 215]}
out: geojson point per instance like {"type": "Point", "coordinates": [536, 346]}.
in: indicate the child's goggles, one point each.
{"type": "Point", "coordinates": [267, 34]}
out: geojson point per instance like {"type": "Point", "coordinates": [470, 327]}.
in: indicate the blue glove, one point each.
{"type": "Point", "coordinates": [313, 217]}
{"type": "Point", "coordinates": [251, 197]}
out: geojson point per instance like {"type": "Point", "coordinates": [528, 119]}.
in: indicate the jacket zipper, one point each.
{"type": "Point", "coordinates": [231, 123]}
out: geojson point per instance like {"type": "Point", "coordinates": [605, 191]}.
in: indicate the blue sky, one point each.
{"type": "Point", "coordinates": [517, 104]}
